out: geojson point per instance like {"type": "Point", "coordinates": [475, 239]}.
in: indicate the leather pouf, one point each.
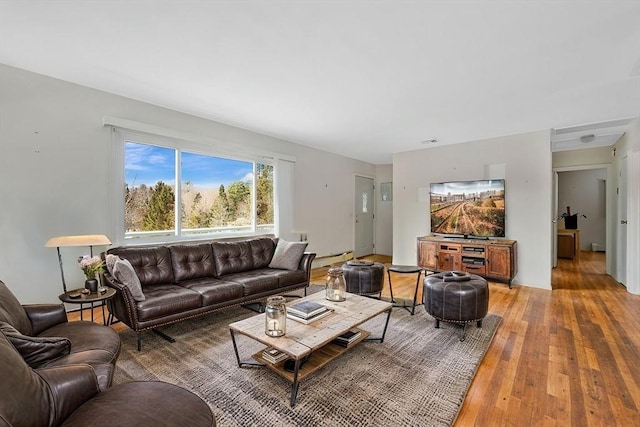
{"type": "Point", "coordinates": [456, 297]}
{"type": "Point", "coordinates": [363, 277]}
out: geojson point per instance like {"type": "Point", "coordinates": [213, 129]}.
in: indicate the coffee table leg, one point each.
{"type": "Point", "coordinates": [235, 349]}
{"type": "Point", "coordinates": [294, 386]}
{"type": "Point", "coordinates": [384, 331]}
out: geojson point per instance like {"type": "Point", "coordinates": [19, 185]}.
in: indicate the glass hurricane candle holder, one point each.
{"type": "Point", "coordinates": [275, 317]}
{"type": "Point", "coordinates": [336, 289]}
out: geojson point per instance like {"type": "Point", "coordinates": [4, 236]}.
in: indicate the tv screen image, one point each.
{"type": "Point", "coordinates": [468, 208]}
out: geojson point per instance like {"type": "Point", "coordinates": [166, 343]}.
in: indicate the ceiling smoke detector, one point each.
{"type": "Point", "coordinates": [585, 139]}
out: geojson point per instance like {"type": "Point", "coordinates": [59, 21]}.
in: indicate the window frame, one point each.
{"type": "Point", "coordinates": [180, 145]}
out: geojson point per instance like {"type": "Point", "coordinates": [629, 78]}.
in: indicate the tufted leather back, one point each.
{"type": "Point", "coordinates": [152, 265]}
{"type": "Point", "coordinates": [232, 257]}
{"type": "Point", "coordinates": [24, 399]}
{"type": "Point", "coordinates": [12, 312]}
{"type": "Point", "coordinates": [192, 261]}
{"type": "Point", "coordinates": [262, 251]}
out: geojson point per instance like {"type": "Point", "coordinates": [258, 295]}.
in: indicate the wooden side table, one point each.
{"type": "Point", "coordinates": [569, 244]}
{"type": "Point", "coordinates": [77, 297]}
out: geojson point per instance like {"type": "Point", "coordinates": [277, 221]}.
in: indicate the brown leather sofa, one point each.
{"type": "Point", "coordinates": [45, 338]}
{"type": "Point", "coordinates": [70, 395]}
{"type": "Point", "coordinates": [184, 281]}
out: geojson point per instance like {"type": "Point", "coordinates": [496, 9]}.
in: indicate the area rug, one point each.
{"type": "Point", "coordinates": [418, 376]}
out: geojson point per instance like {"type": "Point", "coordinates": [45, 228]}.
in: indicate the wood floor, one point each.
{"type": "Point", "coordinates": [566, 357]}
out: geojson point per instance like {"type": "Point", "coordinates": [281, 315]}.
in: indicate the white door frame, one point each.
{"type": "Point", "coordinates": [633, 221]}
{"type": "Point", "coordinates": [374, 206]}
{"type": "Point", "coordinates": [610, 221]}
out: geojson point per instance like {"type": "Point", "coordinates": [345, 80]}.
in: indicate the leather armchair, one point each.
{"type": "Point", "coordinates": [71, 396]}
{"type": "Point", "coordinates": [37, 326]}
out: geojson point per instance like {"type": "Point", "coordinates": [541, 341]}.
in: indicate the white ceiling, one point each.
{"type": "Point", "coordinates": [365, 79]}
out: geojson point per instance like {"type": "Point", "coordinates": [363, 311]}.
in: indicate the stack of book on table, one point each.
{"type": "Point", "coordinates": [273, 356]}
{"type": "Point", "coordinates": [307, 311]}
{"type": "Point", "coordinates": [346, 339]}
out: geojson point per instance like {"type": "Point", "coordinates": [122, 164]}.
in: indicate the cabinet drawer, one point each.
{"type": "Point", "coordinates": [449, 248]}
{"type": "Point", "coordinates": [480, 270]}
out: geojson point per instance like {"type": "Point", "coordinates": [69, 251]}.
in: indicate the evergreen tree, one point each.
{"type": "Point", "coordinates": [264, 195]}
{"type": "Point", "coordinates": [220, 209]}
{"type": "Point", "coordinates": [160, 212]}
{"type": "Point", "coordinates": [239, 197]}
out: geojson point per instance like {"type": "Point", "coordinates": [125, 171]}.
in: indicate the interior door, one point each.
{"type": "Point", "coordinates": [621, 253]}
{"type": "Point", "coordinates": [363, 216]}
{"type": "Point", "coordinates": [554, 229]}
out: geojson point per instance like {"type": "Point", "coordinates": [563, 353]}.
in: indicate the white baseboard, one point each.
{"type": "Point", "coordinates": [326, 260]}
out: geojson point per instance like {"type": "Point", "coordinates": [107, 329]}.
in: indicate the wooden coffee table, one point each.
{"type": "Point", "coordinates": [302, 340]}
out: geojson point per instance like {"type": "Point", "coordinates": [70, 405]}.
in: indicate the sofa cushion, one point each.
{"type": "Point", "coordinates": [90, 342]}
{"type": "Point", "coordinates": [287, 255]}
{"type": "Point", "coordinates": [255, 282]}
{"type": "Point", "coordinates": [232, 257]}
{"type": "Point", "coordinates": [36, 351]}
{"type": "Point", "coordinates": [289, 277]}
{"type": "Point", "coordinates": [152, 265]}
{"type": "Point", "coordinates": [12, 312]}
{"type": "Point", "coordinates": [125, 274]}
{"type": "Point", "coordinates": [166, 300]}
{"type": "Point", "coordinates": [192, 261]}
{"type": "Point", "coordinates": [262, 251]}
{"type": "Point", "coordinates": [215, 291]}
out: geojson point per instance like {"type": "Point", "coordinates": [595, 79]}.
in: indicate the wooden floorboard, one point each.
{"type": "Point", "coordinates": [565, 357]}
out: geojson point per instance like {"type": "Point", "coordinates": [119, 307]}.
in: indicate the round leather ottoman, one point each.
{"type": "Point", "coordinates": [363, 277]}
{"type": "Point", "coordinates": [456, 297]}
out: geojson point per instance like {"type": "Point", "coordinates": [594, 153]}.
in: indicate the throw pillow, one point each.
{"type": "Point", "coordinates": [110, 261]}
{"type": "Point", "coordinates": [36, 351]}
{"type": "Point", "coordinates": [287, 255]}
{"type": "Point", "coordinates": [123, 272]}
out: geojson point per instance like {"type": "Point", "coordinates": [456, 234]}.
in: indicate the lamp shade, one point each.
{"type": "Point", "coordinates": [81, 240]}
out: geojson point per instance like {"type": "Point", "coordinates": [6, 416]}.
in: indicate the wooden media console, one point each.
{"type": "Point", "coordinates": [492, 259]}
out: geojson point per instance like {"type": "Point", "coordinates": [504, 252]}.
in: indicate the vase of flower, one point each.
{"type": "Point", "coordinates": [91, 267]}
{"type": "Point", "coordinates": [91, 285]}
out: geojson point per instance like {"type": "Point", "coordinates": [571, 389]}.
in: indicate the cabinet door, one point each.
{"type": "Point", "coordinates": [427, 255]}
{"type": "Point", "coordinates": [448, 262]}
{"type": "Point", "coordinates": [499, 261]}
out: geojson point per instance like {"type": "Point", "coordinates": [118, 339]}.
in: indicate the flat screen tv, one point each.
{"type": "Point", "coordinates": [468, 208]}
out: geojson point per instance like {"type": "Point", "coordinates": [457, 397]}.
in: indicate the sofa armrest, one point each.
{"type": "Point", "coordinates": [45, 316]}
{"type": "Point", "coordinates": [70, 387]}
{"type": "Point", "coordinates": [122, 305]}
{"type": "Point", "coordinates": [305, 263]}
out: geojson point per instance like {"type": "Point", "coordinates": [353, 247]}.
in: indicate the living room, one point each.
{"type": "Point", "coordinates": [55, 144]}
{"type": "Point", "coordinates": [59, 175]}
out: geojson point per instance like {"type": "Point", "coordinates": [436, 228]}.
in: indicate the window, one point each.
{"type": "Point", "coordinates": [173, 191]}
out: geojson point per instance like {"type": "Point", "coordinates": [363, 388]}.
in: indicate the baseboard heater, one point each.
{"type": "Point", "coordinates": [326, 260]}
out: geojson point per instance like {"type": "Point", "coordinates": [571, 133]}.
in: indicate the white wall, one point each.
{"type": "Point", "coordinates": [525, 161]}
{"type": "Point", "coordinates": [584, 192]}
{"type": "Point", "coordinates": [384, 213]}
{"type": "Point", "coordinates": [55, 169]}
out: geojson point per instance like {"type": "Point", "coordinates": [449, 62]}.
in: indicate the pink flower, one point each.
{"type": "Point", "coordinates": [90, 266]}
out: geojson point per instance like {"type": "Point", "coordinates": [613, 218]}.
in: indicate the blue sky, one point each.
{"type": "Point", "coordinates": [147, 164]}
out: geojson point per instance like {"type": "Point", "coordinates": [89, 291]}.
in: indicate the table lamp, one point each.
{"type": "Point", "coordinates": [90, 240]}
